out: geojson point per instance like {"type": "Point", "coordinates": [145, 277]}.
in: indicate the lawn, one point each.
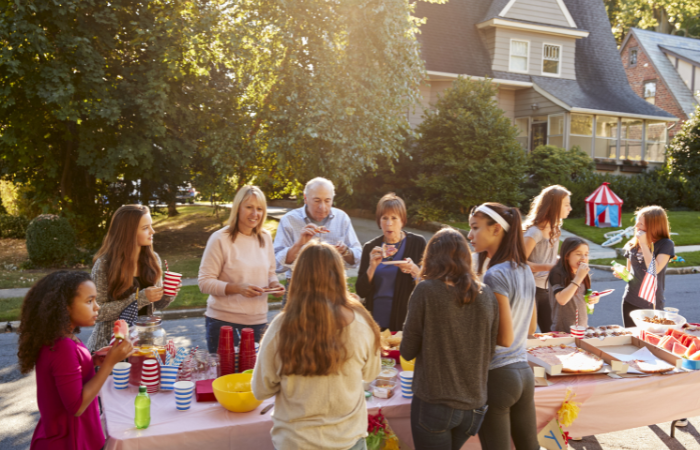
{"type": "Point", "coordinates": [685, 223]}
{"type": "Point", "coordinates": [691, 259]}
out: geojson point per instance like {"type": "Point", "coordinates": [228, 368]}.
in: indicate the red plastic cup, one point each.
{"type": "Point", "coordinates": [226, 351]}
{"type": "Point", "coordinates": [170, 282]}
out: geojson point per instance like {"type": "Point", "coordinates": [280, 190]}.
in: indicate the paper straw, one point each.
{"type": "Point", "coordinates": [577, 317]}
{"type": "Point", "coordinates": [180, 356]}
{"type": "Point", "coordinates": [156, 356]}
{"type": "Point", "coordinates": [238, 332]}
{"type": "Point", "coordinates": [166, 265]}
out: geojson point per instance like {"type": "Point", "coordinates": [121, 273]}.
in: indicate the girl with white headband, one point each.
{"type": "Point", "coordinates": [496, 233]}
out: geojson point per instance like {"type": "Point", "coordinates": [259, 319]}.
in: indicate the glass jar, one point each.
{"type": "Point", "coordinates": [148, 336]}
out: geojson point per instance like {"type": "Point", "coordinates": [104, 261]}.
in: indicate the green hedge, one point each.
{"type": "Point", "coordinates": [50, 240]}
{"type": "Point", "coordinates": [13, 226]}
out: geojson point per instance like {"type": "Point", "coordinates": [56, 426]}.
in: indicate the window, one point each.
{"type": "Point", "coordinates": [581, 134]}
{"type": "Point", "coordinates": [551, 62]}
{"type": "Point", "coordinates": [631, 139]}
{"type": "Point", "coordinates": [523, 125]}
{"type": "Point", "coordinates": [650, 91]}
{"type": "Point", "coordinates": [605, 137]}
{"type": "Point", "coordinates": [655, 141]}
{"type": "Point", "coordinates": [556, 130]}
{"type": "Point", "coordinates": [519, 55]}
{"type": "Point", "coordinates": [633, 57]}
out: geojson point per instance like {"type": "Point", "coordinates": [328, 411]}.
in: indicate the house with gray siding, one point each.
{"type": "Point", "coordinates": [558, 71]}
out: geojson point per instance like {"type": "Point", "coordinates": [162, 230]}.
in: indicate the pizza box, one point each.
{"type": "Point", "coordinates": [540, 376]}
{"type": "Point", "coordinates": [626, 345]}
{"type": "Point", "coordinates": [556, 370]}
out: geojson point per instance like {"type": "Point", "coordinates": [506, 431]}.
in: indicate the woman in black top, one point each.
{"type": "Point", "coordinates": [385, 287]}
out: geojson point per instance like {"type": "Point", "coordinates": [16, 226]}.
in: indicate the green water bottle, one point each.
{"type": "Point", "coordinates": [622, 271]}
{"type": "Point", "coordinates": [586, 297]}
{"type": "Point", "coordinates": [142, 418]}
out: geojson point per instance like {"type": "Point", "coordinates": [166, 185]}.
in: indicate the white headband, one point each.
{"type": "Point", "coordinates": [495, 216]}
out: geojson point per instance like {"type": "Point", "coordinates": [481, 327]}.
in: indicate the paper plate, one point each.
{"type": "Point", "coordinates": [603, 293]}
{"type": "Point", "coordinates": [393, 263]}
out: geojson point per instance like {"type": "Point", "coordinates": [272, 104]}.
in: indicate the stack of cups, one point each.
{"type": "Point", "coordinates": [120, 374]}
{"type": "Point", "coordinates": [227, 353]}
{"type": "Point", "coordinates": [406, 379]}
{"type": "Point", "coordinates": [168, 377]}
{"type": "Point", "coordinates": [246, 360]}
{"type": "Point", "coordinates": [150, 376]}
{"type": "Point", "coordinates": [257, 348]}
{"type": "Point", "coordinates": [171, 280]}
{"type": "Point", "coordinates": [184, 391]}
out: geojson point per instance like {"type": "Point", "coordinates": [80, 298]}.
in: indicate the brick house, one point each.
{"type": "Point", "coordinates": [559, 75]}
{"type": "Point", "coordinates": [664, 70]}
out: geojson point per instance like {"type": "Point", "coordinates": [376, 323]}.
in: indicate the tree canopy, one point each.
{"type": "Point", "coordinates": [681, 17]}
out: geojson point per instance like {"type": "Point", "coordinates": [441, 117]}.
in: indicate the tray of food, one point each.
{"type": "Point", "coordinates": [604, 331]}
{"type": "Point", "coordinates": [638, 355]}
{"type": "Point", "coordinates": [566, 359]}
{"type": "Point", "coordinates": [390, 343]}
{"type": "Point", "coordinates": [550, 335]}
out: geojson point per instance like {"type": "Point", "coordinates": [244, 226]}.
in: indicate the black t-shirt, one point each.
{"type": "Point", "coordinates": [564, 316]}
{"type": "Point", "coordinates": [639, 270]}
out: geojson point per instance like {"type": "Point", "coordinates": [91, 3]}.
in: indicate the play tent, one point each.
{"type": "Point", "coordinates": [603, 208]}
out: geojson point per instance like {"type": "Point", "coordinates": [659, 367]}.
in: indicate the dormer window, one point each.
{"type": "Point", "coordinates": [633, 57]}
{"type": "Point", "coordinates": [519, 55]}
{"type": "Point", "coordinates": [551, 60]}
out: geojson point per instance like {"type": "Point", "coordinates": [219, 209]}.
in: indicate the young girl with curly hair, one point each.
{"type": "Point", "coordinates": [53, 311]}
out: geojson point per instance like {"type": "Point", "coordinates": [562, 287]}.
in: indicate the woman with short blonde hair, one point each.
{"type": "Point", "coordinates": [238, 268]}
{"type": "Point", "coordinates": [314, 357]}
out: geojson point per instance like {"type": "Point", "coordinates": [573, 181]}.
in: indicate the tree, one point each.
{"type": "Point", "coordinates": [549, 164]}
{"type": "Point", "coordinates": [683, 160]}
{"type": "Point", "coordinates": [664, 16]}
{"type": "Point", "coordinates": [468, 153]}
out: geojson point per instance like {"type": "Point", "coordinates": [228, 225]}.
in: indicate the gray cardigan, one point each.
{"type": "Point", "coordinates": [110, 309]}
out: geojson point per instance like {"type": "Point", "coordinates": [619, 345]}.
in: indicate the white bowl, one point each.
{"type": "Point", "coordinates": [639, 315]}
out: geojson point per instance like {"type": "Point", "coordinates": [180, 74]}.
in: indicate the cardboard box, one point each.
{"type": "Point", "coordinates": [626, 345]}
{"type": "Point", "coordinates": [556, 370]}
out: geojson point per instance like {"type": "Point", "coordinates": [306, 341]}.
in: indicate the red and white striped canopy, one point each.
{"type": "Point", "coordinates": [604, 196]}
{"type": "Point", "coordinates": [603, 204]}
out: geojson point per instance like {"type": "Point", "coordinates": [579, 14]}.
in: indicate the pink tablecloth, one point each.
{"type": "Point", "coordinates": [607, 405]}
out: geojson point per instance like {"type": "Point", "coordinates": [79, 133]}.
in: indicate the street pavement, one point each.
{"type": "Point", "coordinates": [19, 415]}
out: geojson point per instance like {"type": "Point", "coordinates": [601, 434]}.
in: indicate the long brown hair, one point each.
{"type": "Point", "coordinates": [656, 223]}
{"type": "Point", "coordinates": [119, 248]}
{"type": "Point", "coordinates": [512, 247]}
{"type": "Point", "coordinates": [242, 195]}
{"type": "Point", "coordinates": [545, 209]}
{"type": "Point", "coordinates": [44, 317]}
{"type": "Point", "coordinates": [562, 267]}
{"type": "Point", "coordinates": [310, 337]}
{"type": "Point", "coordinates": [447, 258]}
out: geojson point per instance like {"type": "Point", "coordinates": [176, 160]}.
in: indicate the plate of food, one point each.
{"type": "Point", "coordinates": [394, 263]}
{"type": "Point", "coordinates": [565, 359]}
{"type": "Point", "coordinates": [602, 293]}
{"type": "Point", "coordinates": [272, 290]}
{"type": "Point", "coordinates": [390, 343]}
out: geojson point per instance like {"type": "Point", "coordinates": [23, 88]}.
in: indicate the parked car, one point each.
{"type": "Point", "coordinates": [186, 194]}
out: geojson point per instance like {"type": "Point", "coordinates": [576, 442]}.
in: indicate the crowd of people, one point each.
{"type": "Point", "coordinates": [465, 315]}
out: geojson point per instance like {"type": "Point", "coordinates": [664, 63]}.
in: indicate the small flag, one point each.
{"type": "Point", "coordinates": [648, 289]}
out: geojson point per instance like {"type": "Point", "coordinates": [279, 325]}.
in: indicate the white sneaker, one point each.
{"type": "Point", "coordinates": [682, 423]}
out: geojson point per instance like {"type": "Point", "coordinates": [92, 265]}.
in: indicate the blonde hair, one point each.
{"type": "Point", "coordinates": [656, 223]}
{"type": "Point", "coordinates": [310, 336]}
{"type": "Point", "coordinates": [242, 195]}
{"type": "Point", "coordinates": [546, 209]}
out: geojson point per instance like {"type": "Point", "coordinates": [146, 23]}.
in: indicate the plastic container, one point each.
{"type": "Point", "coordinates": [388, 373]}
{"type": "Point", "coordinates": [639, 315]}
{"type": "Point", "coordinates": [382, 388]}
{"type": "Point", "coordinates": [142, 405]}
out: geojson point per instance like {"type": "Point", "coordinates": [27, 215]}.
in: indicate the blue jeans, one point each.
{"type": "Point", "coordinates": [439, 427]}
{"type": "Point", "coordinates": [213, 327]}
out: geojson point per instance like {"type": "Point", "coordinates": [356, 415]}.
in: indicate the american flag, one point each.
{"type": "Point", "coordinates": [648, 289]}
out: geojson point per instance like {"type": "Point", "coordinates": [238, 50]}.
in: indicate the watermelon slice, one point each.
{"type": "Point", "coordinates": [691, 350]}
{"type": "Point", "coordinates": [669, 332]}
{"type": "Point", "coordinates": [695, 356]}
{"type": "Point", "coordinates": [668, 345]}
{"type": "Point", "coordinates": [121, 329]}
{"type": "Point", "coordinates": [642, 335]}
{"type": "Point", "coordinates": [678, 334]}
{"type": "Point", "coordinates": [687, 340]}
{"type": "Point", "coordinates": [679, 349]}
{"type": "Point", "coordinates": [652, 338]}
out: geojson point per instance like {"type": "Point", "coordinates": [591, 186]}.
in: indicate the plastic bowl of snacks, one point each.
{"type": "Point", "coordinates": [234, 393]}
{"type": "Point", "coordinates": [382, 388]}
{"type": "Point", "coordinates": [388, 362]}
{"type": "Point", "coordinates": [388, 373]}
{"type": "Point", "coordinates": [656, 321]}
{"type": "Point", "coordinates": [408, 366]}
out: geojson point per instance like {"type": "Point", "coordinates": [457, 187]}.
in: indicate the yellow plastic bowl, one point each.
{"type": "Point", "coordinates": [408, 366]}
{"type": "Point", "coordinates": [240, 402]}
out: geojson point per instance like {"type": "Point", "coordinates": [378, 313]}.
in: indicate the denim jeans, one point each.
{"type": "Point", "coordinates": [213, 327]}
{"type": "Point", "coordinates": [439, 427]}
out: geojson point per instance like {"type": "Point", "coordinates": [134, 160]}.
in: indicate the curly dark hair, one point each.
{"type": "Point", "coordinates": [45, 316]}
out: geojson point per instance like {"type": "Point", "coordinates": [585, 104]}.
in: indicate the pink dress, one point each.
{"type": "Point", "coordinates": [61, 373]}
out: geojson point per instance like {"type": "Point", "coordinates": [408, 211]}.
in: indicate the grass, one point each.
{"type": "Point", "coordinates": [685, 223]}
{"type": "Point", "coordinates": [691, 259]}
{"type": "Point", "coordinates": [10, 308]}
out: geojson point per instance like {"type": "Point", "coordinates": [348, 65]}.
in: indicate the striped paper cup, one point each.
{"type": "Point", "coordinates": [168, 377]}
{"type": "Point", "coordinates": [184, 391]}
{"type": "Point", "coordinates": [170, 282]}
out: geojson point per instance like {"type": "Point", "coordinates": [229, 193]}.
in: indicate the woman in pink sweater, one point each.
{"type": "Point", "coordinates": [237, 268]}
{"type": "Point", "coordinates": [53, 311]}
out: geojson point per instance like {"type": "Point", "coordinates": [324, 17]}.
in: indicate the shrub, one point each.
{"type": "Point", "coordinates": [50, 240]}
{"type": "Point", "coordinates": [13, 226]}
{"type": "Point", "coordinates": [548, 165]}
{"type": "Point", "coordinates": [468, 152]}
{"type": "Point", "coordinates": [683, 160]}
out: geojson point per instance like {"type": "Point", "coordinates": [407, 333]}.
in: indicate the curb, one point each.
{"type": "Point", "coordinates": [669, 270]}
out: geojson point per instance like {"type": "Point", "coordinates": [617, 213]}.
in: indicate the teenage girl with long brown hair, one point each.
{"type": "Point", "coordinates": [452, 329]}
{"type": "Point", "coordinates": [124, 265]}
{"type": "Point", "coordinates": [652, 241]}
{"type": "Point", "coordinates": [314, 357]}
{"type": "Point", "coordinates": [496, 233]}
{"type": "Point", "coordinates": [542, 231]}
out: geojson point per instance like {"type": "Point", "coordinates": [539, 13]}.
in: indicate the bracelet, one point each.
{"type": "Point", "coordinates": [573, 282]}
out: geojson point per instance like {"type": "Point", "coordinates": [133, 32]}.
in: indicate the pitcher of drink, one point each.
{"type": "Point", "coordinates": [147, 336]}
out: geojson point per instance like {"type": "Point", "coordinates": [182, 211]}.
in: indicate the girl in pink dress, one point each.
{"type": "Point", "coordinates": [67, 386]}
